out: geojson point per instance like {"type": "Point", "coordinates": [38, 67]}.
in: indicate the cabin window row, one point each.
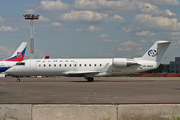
{"type": "Point", "coordinates": [65, 65]}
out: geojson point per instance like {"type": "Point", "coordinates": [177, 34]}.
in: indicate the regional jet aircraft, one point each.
{"type": "Point", "coordinates": [16, 57]}
{"type": "Point", "coordinates": [89, 68]}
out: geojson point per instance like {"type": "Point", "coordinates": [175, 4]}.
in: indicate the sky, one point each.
{"type": "Point", "coordinates": [90, 28]}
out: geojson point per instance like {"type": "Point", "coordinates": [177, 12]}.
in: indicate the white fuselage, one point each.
{"type": "Point", "coordinates": [89, 68]}
{"type": "Point", "coordinates": [80, 67]}
{"type": "Point", "coordinates": [4, 65]}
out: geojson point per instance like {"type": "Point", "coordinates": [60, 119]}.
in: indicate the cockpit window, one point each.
{"type": "Point", "coordinates": [20, 63]}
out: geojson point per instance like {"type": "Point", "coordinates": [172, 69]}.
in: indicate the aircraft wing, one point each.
{"type": "Point", "coordinates": [82, 73]}
{"type": "Point", "coordinates": [86, 73]}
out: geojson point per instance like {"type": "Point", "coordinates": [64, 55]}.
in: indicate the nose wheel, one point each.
{"type": "Point", "coordinates": [18, 79]}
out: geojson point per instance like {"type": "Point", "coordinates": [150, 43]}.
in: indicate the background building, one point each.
{"type": "Point", "coordinates": [163, 68]}
{"type": "Point", "coordinates": [175, 65]}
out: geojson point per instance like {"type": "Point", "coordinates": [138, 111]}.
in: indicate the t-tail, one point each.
{"type": "Point", "coordinates": [18, 54]}
{"type": "Point", "coordinates": [156, 52]}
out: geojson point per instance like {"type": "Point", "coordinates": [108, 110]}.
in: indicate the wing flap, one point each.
{"type": "Point", "coordinates": [82, 73]}
{"type": "Point", "coordinates": [86, 73]}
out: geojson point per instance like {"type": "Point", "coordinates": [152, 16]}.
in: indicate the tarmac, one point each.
{"type": "Point", "coordinates": [104, 90]}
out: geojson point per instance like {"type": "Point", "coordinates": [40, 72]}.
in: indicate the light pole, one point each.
{"type": "Point", "coordinates": [165, 63]}
{"type": "Point", "coordinates": [31, 17]}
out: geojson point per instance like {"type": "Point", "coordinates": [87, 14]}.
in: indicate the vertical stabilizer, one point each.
{"type": "Point", "coordinates": [18, 55]}
{"type": "Point", "coordinates": [156, 52]}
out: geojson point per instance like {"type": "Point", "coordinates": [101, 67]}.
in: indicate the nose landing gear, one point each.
{"type": "Point", "coordinates": [18, 79]}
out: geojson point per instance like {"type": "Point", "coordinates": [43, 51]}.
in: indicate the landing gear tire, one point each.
{"type": "Point", "coordinates": [18, 79]}
{"type": "Point", "coordinates": [90, 79]}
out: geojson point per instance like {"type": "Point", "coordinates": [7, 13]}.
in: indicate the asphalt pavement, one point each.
{"type": "Point", "coordinates": [104, 90]}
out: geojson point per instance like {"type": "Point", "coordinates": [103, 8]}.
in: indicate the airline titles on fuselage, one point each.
{"type": "Point", "coordinates": [55, 61]}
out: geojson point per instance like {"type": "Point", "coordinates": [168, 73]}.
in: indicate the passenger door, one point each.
{"type": "Point", "coordinates": [32, 65]}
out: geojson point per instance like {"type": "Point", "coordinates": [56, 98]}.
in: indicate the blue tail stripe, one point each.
{"type": "Point", "coordinates": [23, 52]}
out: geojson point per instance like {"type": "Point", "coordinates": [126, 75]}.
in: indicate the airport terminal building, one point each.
{"type": "Point", "coordinates": [175, 65]}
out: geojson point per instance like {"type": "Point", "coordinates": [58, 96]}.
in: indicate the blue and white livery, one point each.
{"type": "Point", "coordinates": [152, 53]}
{"type": "Point", "coordinates": [89, 68]}
{"type": "Point", "coordinates": [17, 56]}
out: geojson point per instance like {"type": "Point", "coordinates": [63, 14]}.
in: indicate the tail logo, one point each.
{"type": "Point", "coordinates": [152, 53]}
{"type": "Point", "coordinates": [19, 54]}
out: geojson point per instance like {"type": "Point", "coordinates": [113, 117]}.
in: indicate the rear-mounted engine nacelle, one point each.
{"type": "Point", "coordinates": [123, 62]}
{"type": "Point", "coordinates": [119, 62]}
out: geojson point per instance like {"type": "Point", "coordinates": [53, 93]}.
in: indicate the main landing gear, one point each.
{"type": "Point", "coordinates": [18, 79]}
{"type": "Point", "coordinates": [89, 79]}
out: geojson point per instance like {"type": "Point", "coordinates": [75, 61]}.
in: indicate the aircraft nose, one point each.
{"type": "Point", "coordinates": [10, 71]}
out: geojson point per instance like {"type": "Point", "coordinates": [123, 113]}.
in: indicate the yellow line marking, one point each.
{"type": "Point", "coordinates": [4, 83]}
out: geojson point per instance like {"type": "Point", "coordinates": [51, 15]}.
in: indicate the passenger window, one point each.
{"type": "Point", "coordinates": [85, 65]}
{"type": "Point", "coordinates": [80, 65]}
{"type": "Point", "coordinates": [39, 65]}
{"type": "Point", "coordinates": [49, 65]}
{"type": "Point", "coordinates": [75, 65]}
{"type": "Point", "coordinates": [95, 65]}
{"type": "Point", "coordinates": [59, 65]}
{"type": "Point", "coordinates": [100, 64]}
{"type": "Point", "coordinates": [70, 65]}
{"type": "Point", "coordinates": [90, 65]}
{"type": "Point", "coordinates": [54, 65]}
{"type": "Point", "coordinates": [65, 65]}
{"type": "Point", "coordinates": [44, 65]}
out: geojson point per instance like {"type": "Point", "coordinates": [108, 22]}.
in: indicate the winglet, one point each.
{"type": "Point", "coordinates": [105, 68]}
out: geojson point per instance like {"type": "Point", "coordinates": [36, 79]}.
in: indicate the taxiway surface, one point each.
{"type": "Point", "coordinates": [104, 90]}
